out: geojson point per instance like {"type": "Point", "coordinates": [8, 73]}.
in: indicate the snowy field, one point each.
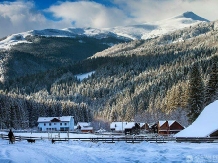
{"type": "Point", "coordinates": [44, 151]}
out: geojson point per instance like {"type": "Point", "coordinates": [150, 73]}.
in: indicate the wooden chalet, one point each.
{"type": "Point", "coordinates": [169, 127]}
{"type": "Point", "coordinates": [175, 127]}
{"type": "Point", "coordinates": [163, 127]}
{"type": "Point", "coordinates": [144, 127]}
{"type": "Point", "coordinates": [152, 128]}
{"type": "Point", "coordinates": [132, 128]}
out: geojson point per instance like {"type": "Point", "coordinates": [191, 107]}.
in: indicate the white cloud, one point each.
{"type": "Point", "coordinates": [89, 14]}
{"type": "Point", "coordinates": [21, 16]}
{"type": "Point", "coordinates": [152, 10]}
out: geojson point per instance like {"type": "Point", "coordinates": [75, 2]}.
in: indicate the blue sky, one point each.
{"type": "Point", "coordinates": [23, 15]}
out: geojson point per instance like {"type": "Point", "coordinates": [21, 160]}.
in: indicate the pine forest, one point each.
{"type": "Point", "coordinates": [173, 76]}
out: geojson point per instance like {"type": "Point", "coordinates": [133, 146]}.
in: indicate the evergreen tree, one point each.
{"type": "Point", "coordinates": [196, 93]}
{"type": "Point", "coordinates": [211, 91]}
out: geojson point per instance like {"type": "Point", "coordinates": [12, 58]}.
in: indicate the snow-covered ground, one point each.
{"type": "Point", "coordinates": [44, 151]}
{"type": "Point", "coordinates": [84, 76]}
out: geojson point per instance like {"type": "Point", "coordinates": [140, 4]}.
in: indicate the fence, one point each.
{"type": "Point", "coordinates": [127, 139]}
{"type": "Point", "coordinates": [197, 139]}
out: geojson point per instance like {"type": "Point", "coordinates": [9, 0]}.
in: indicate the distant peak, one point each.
{"type": "Point", "coordinates": [193, 16]}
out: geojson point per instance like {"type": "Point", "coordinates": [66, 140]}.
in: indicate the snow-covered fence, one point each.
{"type": "Point", "coordinates": [118, 139]}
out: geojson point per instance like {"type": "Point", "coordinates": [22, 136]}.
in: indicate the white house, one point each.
{"type": "Point", "coordinates": [64, 123]}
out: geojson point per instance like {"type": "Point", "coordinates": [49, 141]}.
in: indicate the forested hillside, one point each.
{"type": "Point", "coordinates": [42, 53]}
{"type": "Point", "coordinates": [144, 80]}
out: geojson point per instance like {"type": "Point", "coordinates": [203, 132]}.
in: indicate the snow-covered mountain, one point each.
{"type": "Point", "coordinates": [140, 31]}
{"type": "Point", "coordinates": [151, 30]}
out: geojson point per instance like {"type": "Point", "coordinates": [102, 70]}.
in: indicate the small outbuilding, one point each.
{"type": "Point", "coordinates": [85, 127]}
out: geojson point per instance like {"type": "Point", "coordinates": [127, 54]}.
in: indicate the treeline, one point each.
{"type": "Point", "coordinates": [21, 112]}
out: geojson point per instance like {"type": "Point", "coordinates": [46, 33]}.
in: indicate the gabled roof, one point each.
{"type": "Point", "coordinates": [171, 122]}
{"type": "Point", "coordinates": [142, 124]}
{"type": "Point", "coordinates": [85, 125]}
{"type": "Point", "coordinates": [161, 123]}
{"type": "Point", "coordinates": [48, 119]}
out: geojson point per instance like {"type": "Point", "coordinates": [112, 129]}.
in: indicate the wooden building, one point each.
{"type": "Point", "coordinates": [163, 127]}
{"type": "Point", "coordinates": [132, 128]}
{"type": "Point", "coordinates": [169, 127]}
{"type": "Point", "coordinates": [175, 127]}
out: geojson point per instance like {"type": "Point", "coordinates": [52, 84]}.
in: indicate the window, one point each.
{"type": "Point", "coordinates": [44, 124]}
{"type": "Point", "coordinates": [54, 123]}
{"type": "Point", "coordinates": [65, 124]}
{"type": "Point", "coordinates": [49, 124]}
{"type": "Point", "coordinates": [61, 124]}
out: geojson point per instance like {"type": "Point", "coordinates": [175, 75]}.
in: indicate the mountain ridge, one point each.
{"type": "Point", "coordinates": [131, 32]}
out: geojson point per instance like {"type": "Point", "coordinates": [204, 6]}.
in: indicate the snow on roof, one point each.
{"type": "Point", "coordinates": [48, 119]}
{"type": "Point", "coordinates": [83, 124]}
{"type": "Point", "coordinates": [118, 126]}
{"type": "Point", "coordinates": [204, 125]}
{"type": "Point", "coordinates": [161, 123]}
{"type": "Point", "coordinates": [141, 124]}
{"type": "Point", "coordinates": [130, 125]}
{"type": "Point", "coordinates": [86, 128]}
{"type": "Point", "coordinates": [171, 122]}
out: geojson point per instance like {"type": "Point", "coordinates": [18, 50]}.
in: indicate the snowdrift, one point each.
{"type": "Point", "coordinates": [204, 125]}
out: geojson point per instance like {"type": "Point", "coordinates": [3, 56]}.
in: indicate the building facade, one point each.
{"type": "Point", "coordinates": [169, 127]}
{"type": "Point", "coordinates": [64, 123]}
